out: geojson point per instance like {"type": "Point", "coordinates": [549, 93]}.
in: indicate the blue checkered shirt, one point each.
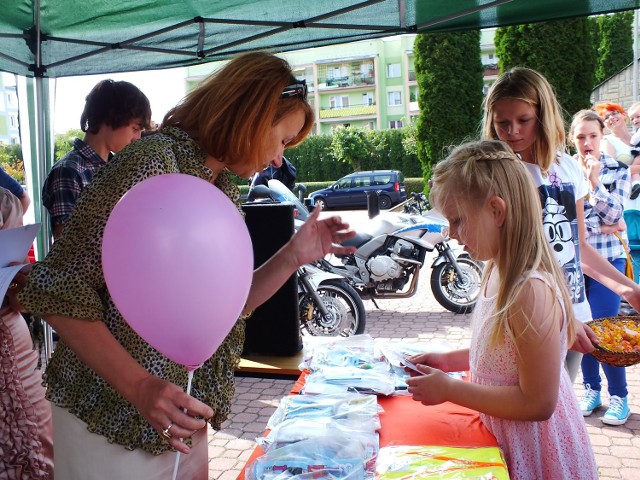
{"type": "Point", "coordinates": [67, 179]}
{"type": "Point", "coordinates": [604, 206]}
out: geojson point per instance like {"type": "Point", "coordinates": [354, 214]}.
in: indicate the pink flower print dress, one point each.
{"type": "Point", "coordinates": [554, 449]}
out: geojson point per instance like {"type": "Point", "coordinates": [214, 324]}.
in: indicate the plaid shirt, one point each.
{"type": "Point", "coordinates": [604, 206]}
{"type": "Point", "coordinates": [67, 179]}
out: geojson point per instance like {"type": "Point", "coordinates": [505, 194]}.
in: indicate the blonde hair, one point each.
{"type": "Point", "coordinates": [584, 116]}
{"type": "Point", "coordinates": [469, 177]}
{"type": "Point", "coordinates": [232, 112]}
{"type": "Point", "coordinates": [530, 87]}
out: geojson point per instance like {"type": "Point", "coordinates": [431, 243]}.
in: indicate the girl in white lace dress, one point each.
{"type": "Point", "coordinates": [521, 327]}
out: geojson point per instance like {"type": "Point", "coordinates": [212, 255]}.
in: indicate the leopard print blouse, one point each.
{"type": "Point", "coordinates": [70, 282]}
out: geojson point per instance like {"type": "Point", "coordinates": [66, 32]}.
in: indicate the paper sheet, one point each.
{"type": "Point", "coordinates": [14, 246]}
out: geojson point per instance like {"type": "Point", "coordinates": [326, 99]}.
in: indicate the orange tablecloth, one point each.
{"type": "Point", "coordinates": [406, 422]}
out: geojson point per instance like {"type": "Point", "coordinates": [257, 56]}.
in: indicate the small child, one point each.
{"type": "Point", "coordinates": [634, 115]}
{"type": "Point", "coordinates": [522, 322]}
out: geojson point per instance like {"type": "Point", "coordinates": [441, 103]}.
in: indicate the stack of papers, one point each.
{"type": "Point", "coordinates": [14, 246]}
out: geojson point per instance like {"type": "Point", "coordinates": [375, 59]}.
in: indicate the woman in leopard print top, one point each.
{"type": "Point", "coordinates": [113, 394]}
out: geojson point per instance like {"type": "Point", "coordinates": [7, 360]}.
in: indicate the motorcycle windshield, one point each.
{"type": "Point", "coordinates": [283, 194]}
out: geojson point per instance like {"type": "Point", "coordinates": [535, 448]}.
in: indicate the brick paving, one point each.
{"type": "Point", "coordinates": [420, 318]}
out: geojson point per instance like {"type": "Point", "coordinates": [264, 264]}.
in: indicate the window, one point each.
{"type": "Point", "coordinates": [367, 98]}
{"type": "Point", "coordinates": [13, 121]}
{"type": "Point", "coordinates": [371, 125]}
{"type": "Point", "coordinates": [381, 179]}
{"type": "Point", "coordinates": [15, 140]}
{"type": "Point", "coordinates": [344, 183]}
{"type": "Point", "coordinates": [395, 124]}
{"type": "Point", "coordinates": [12, 100]}
{"type": "Point", "coordinates": [393, 70]}
{"type": "Point", "coordinates": [339, 102]}
{"type": "Point", "coordinates": [366, 68]}
{"type": "Point", "coordinates": [491, 56]}
{"type": "Point", "coordinates": [362, 181]}
{"type": "Point", "coordinates": [395, 98]}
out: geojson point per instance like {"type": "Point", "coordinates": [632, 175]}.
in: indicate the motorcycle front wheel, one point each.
{"type": "Point", "coordinates": [346, 313]}
{"type": "Point", "coordinates": [456, 293]}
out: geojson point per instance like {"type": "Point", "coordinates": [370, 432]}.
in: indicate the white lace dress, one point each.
{"type": "Point", "coordinates": [557, 448]}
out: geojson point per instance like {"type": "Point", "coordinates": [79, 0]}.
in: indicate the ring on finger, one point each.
{"type": "Point", "coordinates": [166, 433]}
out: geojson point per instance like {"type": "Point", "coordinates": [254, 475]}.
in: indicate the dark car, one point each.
{"type": "Point", "coordinates": [351, 191]}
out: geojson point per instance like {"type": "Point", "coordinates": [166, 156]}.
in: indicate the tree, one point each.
{"type": "Point", "coordinates": [64, 142]}
{"type": "Point", "coordinates": [560, 50]}
{"type": "Point", "coordinates": [11, 162]}
{"type": "Point", "coordinates": [449, 73]}
{"type": "Point", "coordinates": [615, 46]}
{"type": "Point", "coordinates": [350, 145]}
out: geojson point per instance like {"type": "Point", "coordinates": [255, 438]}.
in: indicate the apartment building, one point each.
{"type": "Point", "coordinates": [370, 84]}
{"type": "Point", "coordinates": [9, 127]}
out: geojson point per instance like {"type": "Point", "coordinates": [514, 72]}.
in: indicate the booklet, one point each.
{"type": "Point", "coordinates": [14, 247]}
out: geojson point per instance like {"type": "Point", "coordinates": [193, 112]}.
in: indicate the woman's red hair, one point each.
{"type": "Point", "coordinates": [603, 107]}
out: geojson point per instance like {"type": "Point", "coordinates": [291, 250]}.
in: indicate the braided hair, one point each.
{"type": "Point", "coordinates": [470, 176]}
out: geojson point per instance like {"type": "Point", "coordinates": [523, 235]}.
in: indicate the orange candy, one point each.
{"type": "Point", "coordinates": [622, 336]}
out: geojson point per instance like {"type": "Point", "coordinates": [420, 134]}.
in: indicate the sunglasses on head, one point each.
{"type": "Point", "coordinates": [296, 90]}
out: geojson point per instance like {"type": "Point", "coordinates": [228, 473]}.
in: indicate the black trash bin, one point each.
{"type": "Point", "coordinates": [373, 203]}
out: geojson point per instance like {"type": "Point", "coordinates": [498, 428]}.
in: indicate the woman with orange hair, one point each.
{"type": "Point", "coordinates": [617, 143]}
{"type": "Point", "coordinates": [119, 406]}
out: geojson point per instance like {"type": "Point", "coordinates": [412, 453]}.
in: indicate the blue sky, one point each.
{"type": "Point", "coordinates": [164, 88]}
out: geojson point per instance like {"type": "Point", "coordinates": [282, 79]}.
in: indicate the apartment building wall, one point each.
{"type": "Point", "coordinates": [9, 128]}
{"type": "Point", "coordinates": [370, 84]}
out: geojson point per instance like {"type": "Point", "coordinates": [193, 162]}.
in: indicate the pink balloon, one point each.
{"type": "Point", "coordinates": [178, 263]}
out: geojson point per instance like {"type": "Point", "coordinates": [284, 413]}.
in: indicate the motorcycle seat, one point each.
{"type": "Point", "coordinates": [357, 241]}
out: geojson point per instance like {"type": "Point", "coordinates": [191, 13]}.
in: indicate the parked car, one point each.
{"type": "Point", "coordinates": [351, 191]}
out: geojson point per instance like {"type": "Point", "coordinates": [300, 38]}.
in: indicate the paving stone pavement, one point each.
{"type": "Point", "coordinates": [617, 448]}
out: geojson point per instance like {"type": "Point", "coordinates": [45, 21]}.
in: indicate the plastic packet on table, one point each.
{"type": "Point", "coordinates": [355, 351]}
{"type": "Point", "coordinates": [338, 456]}
{"type": "Point", "coordinates": [437, 462]}
{"type": "Point", "coordinates": [350, 379]}
{"type": "Point", "coordinates": [299, 429]}
{"type": "Point", "coordinates": [342, 406]}
{"type": "Point", "coordinates": [395, 352]}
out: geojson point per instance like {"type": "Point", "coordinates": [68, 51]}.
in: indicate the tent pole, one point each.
{"type": "Point", "coordinates": [635, 57]}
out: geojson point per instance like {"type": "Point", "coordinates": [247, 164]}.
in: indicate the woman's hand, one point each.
{"type": "Point", "coordinates": [17, 284]}
{"type": "Point", "coordinates": [317, 238]}
{"type": "Point", "coordinates": [163, 405]}
{"type": "Point", "coordinates": [430, 388]}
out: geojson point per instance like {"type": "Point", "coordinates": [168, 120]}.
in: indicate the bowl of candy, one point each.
{"type": "Point", "coordinates": [619, 340]}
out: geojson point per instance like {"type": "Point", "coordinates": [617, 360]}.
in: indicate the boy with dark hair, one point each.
{"type": "Point", "coordinates": [115, 114]}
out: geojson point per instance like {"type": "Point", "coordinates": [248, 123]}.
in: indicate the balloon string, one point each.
{"type": "Point", "coordinates": [175, 466]}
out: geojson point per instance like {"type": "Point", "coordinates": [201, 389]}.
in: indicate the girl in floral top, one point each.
{"type": "Point", "coordinates": [113, 394]}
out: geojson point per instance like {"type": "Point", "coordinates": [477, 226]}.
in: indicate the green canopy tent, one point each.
{"type": "Point", "coordinates": [42, 39]}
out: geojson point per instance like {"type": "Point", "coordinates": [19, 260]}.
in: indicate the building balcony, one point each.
{"type": "Point", "coordinates": [345, 82]}
{"type": "Point", "coordinates": [350, 111]}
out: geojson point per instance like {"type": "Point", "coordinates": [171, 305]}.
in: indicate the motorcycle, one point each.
{"type": "Point", "coordinates": [392, 250]}
{"type": "Point", "coordinates": [328, 305]}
